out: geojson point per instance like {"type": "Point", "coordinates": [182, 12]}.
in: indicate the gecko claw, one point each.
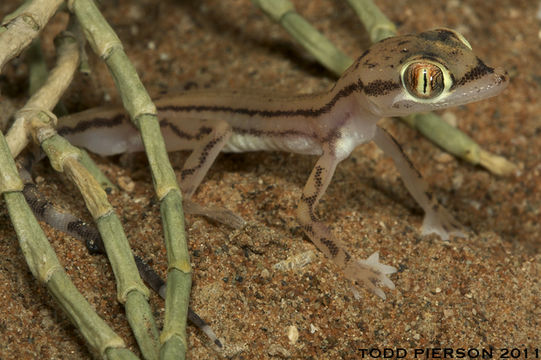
{"type": "Point", "coordinates": [372, 274]}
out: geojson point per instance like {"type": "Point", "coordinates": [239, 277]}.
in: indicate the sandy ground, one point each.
{"type": "Point", "coordinates": [481, 292]}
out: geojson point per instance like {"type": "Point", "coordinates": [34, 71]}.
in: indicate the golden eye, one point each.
{"type": "Point", "coordinates": [423, 80]}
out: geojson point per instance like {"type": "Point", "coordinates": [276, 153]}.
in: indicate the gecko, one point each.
{"type": "Point", "coordinates": [397, 76]}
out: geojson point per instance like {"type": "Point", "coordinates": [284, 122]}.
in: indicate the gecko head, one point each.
{"type": "Point", "coordinates": [424, 72]}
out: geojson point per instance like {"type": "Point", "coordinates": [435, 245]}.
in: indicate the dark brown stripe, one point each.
{"type": "Point", "coordinates": [331, 246]}
{"type": "Point", "coordinates": [476, 73]}
{"type": "Point", "coordinates": [344, 92]}
{"type": "Point", "coordinates": [261, 133]}
{"type": "Point", "coordinates": [317, 177]}
{"type": "Point", "coordinates": [92, 123]}
{"type": "Point", "coordinates": [202, 132]}
{"type": "Point", "coordinates": [360, 58]}
{"type": "Point", "coordinates": [404, 42]}
{"type": "Point", "coordinates": [347, 257]}
{"type": "Point", "coordinates": [380, 88]}
{"type": "Point", "coordinates": [202, 157]}
{"type": "Point", "coordinates": [441, 35]}
{"type": "Point", "coordinates": [118, 119]}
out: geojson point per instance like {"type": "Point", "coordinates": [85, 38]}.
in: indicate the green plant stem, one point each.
{"type": "Point", "coordinates": [93, 169]}
{"type": "Point", "coordinates": [375, 22]}
{"type": "Point", "coordinates": [130, 288]}
{"type": "Point", "coordinates": [142, 112]}
{"type": "Point", "coordinates": [45, 266]}
{"type": "Point", "coordinates": [283, 12]}
{"type": "Point", "coordinates": [38, 74]}
{"type": "Point", "coordinates": [38, 107]}
{"type": "Point", "coordinates": [19, 28]}
{"type": "Point", "coordinates": [37, 71]}
{"type": "Point", "coordinates": [63, 157]}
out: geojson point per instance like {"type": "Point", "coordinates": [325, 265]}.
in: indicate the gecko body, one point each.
{"type": "Point", "coordinates": [397, 76]}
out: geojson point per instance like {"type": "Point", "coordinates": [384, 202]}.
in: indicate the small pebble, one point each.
{"type": "Point", "coordinates": [279, 351]}
{"type": "Point", "coordinates": [265, 273]}
{"type": "Point", "coordinates": [46, 319]}
{"type": "Point", "coordinates": [292, 334]}
{"type": "Point", "coordinates": [457, 181]}
{"type": "Point", "coordinates": [295, 262]}
{"type": "Point", "coordinates": [443, 158]}
{"type": "Point", "coordinates": [126, 183]}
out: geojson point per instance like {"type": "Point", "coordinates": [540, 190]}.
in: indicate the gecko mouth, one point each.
{"type": "Point", "coordinates": [488, 86]}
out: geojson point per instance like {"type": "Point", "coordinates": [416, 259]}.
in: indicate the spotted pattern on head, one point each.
{"type": "Point", "coordinates": [423, 72]}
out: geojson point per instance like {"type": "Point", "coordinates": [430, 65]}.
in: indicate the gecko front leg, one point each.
{"type": "Point", "coordinates": [437, 219]}
{"type": "Point", "coordinates": [368, 272]}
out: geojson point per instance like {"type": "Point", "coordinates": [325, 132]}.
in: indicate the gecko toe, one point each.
{"type": "Point", "coordinates": [443, 224]}
{"type": "Point", "coordinates": [380, 293]}
{"type": "Point", "coordinates": [372, 274]}
{"type": "Point", "coordinates": [219, 214]}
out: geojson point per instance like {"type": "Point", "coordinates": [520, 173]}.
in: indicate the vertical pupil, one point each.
{"type": "Point", "coordinates": [425, 81]}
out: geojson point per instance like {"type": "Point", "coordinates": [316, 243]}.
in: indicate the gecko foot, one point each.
{"type": "Point", "coordinates": [442, 223]}
{"type": "Point", "coordinates": [371, 273]}
{"type": "Point", "coordinates": [219, 214]}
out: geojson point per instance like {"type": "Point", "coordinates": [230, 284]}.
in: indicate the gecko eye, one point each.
{"type": "Point", "coordinates": [424, 80]}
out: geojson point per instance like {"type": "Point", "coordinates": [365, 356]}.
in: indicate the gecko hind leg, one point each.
{"type": "Point", "coordinates": [213, 135]}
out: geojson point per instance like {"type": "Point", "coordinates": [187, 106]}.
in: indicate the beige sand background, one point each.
{"type": "Point", "coordinates": [478, 292]}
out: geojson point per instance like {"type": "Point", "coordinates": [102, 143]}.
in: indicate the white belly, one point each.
{"type": "Point", "coordinates": [299, 145]}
